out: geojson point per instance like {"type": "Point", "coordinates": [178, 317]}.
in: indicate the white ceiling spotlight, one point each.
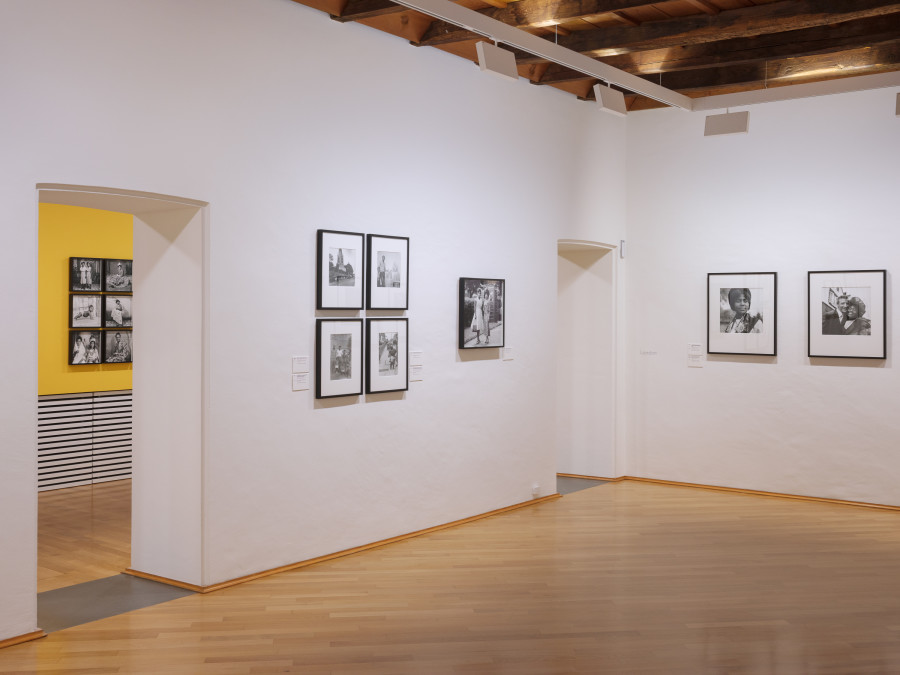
{"type": "Point", "coordinates": [727, 123]}
{"type": "Point", "coordinates": [497, 60]}
{"type": "Point", "coordinates": [610, 100]}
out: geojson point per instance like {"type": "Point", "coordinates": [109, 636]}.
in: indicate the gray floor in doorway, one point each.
{"type": "Point", "coordinates": [94, 600]}
{"type": "Point", "coordinates": [566, 485]}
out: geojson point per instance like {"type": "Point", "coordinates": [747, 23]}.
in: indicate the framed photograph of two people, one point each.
{"type": "Point", "coordinates": [847, 314]}
{"type": "Point", "coordinates": [741, 313]}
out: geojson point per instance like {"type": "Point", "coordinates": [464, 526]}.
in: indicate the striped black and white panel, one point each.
{"type": "Point", "coordinates": [83, 438]}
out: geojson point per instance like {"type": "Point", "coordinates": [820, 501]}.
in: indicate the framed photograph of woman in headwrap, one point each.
{"type": "Point", "coordinates": [741, 313]}
{"type": "Point", "coordinates": [847, 314]}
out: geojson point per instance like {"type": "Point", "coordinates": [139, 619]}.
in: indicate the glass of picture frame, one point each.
{"type": "Point", "coordinates": [85, 275]}
{"type": "Point", "coordinates": [847, 314]}
{"type": "Point", "coordinates": [339, 269]}
{"type": "Point", "coordinates": [388, 282]}
{"type": "Point", "coordinates": [85, 347]}
{"type": "Point", "coordinates": [482, 313]}
{"type": "Point", "coordinates": [339, 357]}
{"type": "Point", "coordinates": [387, 355]}
{"type": "Point", "coordinates": [117, 275]}
{"type": "Point", "coordinates": [741, 315]}
{"type": "Point", "coordinates": [117, 311]}
{"type": "Point", "coordinates": [117, 346]}
{"type": "Point", "coordinates": [85, 311]}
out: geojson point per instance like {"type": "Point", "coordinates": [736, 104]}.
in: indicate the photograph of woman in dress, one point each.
{"type": "Point", "coordinates": [83, 347]}
{"type": "Point", "coordinates": [481, 313]}
{"type": "Point", "coordinates": [118, 276]}
{"type": "Point", "coordinates": [93, 352]}
{"type": "Point", "coordinates": [118, 311]}
{"type": "Point", "coordinates": [85, 274]}
{"type": "Point", "coordinates": [79, 352]}
{"type": "Point", "coordinates": [737, 318]}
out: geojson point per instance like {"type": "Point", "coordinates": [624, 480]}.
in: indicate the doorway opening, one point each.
{"type": "Point", "coordinates": [586, 359]}
{"type": "Point", "coordinates": [88, 535]}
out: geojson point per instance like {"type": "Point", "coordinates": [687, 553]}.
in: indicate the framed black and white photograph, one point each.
{"type": "Point", "coordinates": [85, 275]}
{"type": "Point", "coordinates": [482, 307]}
{"type": "Point", "coordinates": [117, 311]}
{"type": "Point", "coordinates": [117, 346]}
{"type": "Point", "coordinates": [848, 314]}
{"type": "Point", "coordinates": [339, 357]}
{"type": "Point", "coordinates": [741, 313]}
{"type": "Point", "coordinates": [117, 275]}
{"type": "Point", "coordinates": [388, 286]}
{"type": "Point", "coordinates": [387, 355]}
{"type": "Point", "coordinates": [339, 270]}
{"type": "Point", "coordinates": [85, 347]}
{"type": "Point", "coordinates": [85, 311]}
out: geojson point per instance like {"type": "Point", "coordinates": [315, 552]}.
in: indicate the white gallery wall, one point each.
{"type": "Point", "coordinates": [813, 186]}
{"type": "Point", "coordinates": [285, 122]}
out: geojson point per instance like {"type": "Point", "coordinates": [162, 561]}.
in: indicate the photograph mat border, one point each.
{"type": "Point", "coordinates": [843, 351]}
{"type": "Point", "coordinates": [352, 386]}
{"type": "Point", "coordinates": [327, 296]}
{"type": "Point", "coordinates": [379, 298]}
{"type": "Point", "coordinates": [402, 375]}
{"type": "Point", "coordinates": [767, 342]}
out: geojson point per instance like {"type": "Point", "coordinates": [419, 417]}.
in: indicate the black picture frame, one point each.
{"type": "Point", "coordinates": [340, 269]}
{"type": "Point", "coordinates": [470, 327]}
{"type": "Point", "coordinates": [337, 373]}
{"type": "Point", "coordinates": [85, 310]}
{"type": "Point", "coordinates": [118, 346]}
{"type": "Point", "coordinates": [387, 355]}
{"type": "Point", "coordinates": [118, 316]}
{"type": "Point", "coordinates": [85, 275]}
{"type": "Point", "coordinates": [83, 356]}
{"type": "Point", "coordinates": [387, 285]}
{"type": "Point", "coordinates": [847, 314]}
{"type": "Point", "coordinates": [117, 275]}
{"type": "Point", "coordinates": [742, 313]}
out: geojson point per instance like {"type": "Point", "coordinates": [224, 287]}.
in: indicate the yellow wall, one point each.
{"type": "Point", "coordinates": [66, 231]}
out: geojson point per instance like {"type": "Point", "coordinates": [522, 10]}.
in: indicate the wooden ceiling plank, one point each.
{"type": "Point", "coordinates": [355, 10]}
{"type": "Point", "coordinates": [527, 13]}
{"type": "Point", "coordinates": [820, 40]}
{"type": "Point", "coordinates": [704, 6]}
{"type": "Point", "coordinates": [776, 17]}
{"type": "Point", "coordinates": [624, 18]}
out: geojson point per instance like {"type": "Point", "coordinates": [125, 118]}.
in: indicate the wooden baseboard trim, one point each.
{"type": "Point", "coordinates": [19, 639]}
{"type": "Point", "coordinates": [578, 475]}
{"type": "Point", "coordinates": [165, 580]}
{"type": "Point", "coordinates": [338, 554]}
{"type": "Point", "coordinates": [762, 493]}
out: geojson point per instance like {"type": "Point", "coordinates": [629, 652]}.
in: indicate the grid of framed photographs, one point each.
{"type": "Point", "coordinates": [101, 312]}
{"type": "Point", "coordinates": [354, 270]}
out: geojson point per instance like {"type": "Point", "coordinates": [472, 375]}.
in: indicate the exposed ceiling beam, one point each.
{"type": "Point", "coordinates": [840, 86]}
{"type": "Point", "coordinates": [531, 13]}
{"type": "Point", "coordinates": [705, 6]}
{"type": "Point", "coordinates": [820, 40]}
{"type": "Point", "coordinates": [356, 10]}
{"type": "Point", "coordinates": [775, 17]}
{"type": "Point", "coordinates": [508, 35]}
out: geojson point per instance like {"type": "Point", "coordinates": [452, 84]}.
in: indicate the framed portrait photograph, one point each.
{"type": "Point", "coordinates": [848, 314]}
{"type": "Point", "coordinates": [339, 357]}
{"type": "Point", "coordinates": [117, 275]}
{"type": "Point", "coordinates": [85, 275]}
{"type": "Point", "coordinates": [741, 313]}
{"type": "Point", "coordinates": [482, 307]}
{"type": "Point", "coordinates": [117, 311]}
{"type": "Point", "coordinates": [387, 355]}
{"type": "Point", "coordinates": [339, 270]}
{"type": "Point", "coordinates": [85, 347]}
{"type": "Point", "coordinates": [117, 347]}
{"type": "Point", "coordinates": [85, 311]}
{"type": "Point", "coordinates": [388, 284]}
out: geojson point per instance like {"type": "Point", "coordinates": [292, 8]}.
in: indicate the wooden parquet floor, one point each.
{"type": "Point", "coordinates": [84, 533]}
{"type": "Point", "coordinates": [628, 578]}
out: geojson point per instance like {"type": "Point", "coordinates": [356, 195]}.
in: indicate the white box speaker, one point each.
{"type": "Point", "coordinates": [610, 100]}
{"type": "Point", "coordinates": [497, 60]}
{"type": "Point", "coordinates": [727, 123]}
